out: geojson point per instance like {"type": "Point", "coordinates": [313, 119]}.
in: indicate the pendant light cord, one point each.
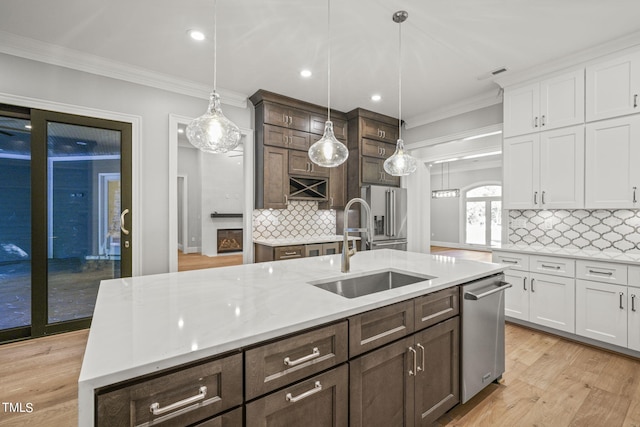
{"type": "Point", "coordinates": [400, 81]}
{"type": "Point", "coordinates": [329, 61]}
{"type": "Point", "coordinates": [215, 41]}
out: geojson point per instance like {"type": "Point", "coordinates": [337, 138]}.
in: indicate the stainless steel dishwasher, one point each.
{"type": "Point", "coordinates": [482, 333]}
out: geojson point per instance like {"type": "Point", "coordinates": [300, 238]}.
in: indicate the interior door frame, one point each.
{"type": "Point", "coordinates": [184, 224]}
{"type": "Point", "coordinates": [248, 173]}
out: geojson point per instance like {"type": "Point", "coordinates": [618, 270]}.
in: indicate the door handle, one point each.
{"type": "Point", "coordinates": [317, 387]}
{"type": "Point", "coordinates": [475, 297]}
{"type": "Point", "coordinates": [621, 295]}
{"type": "Point", "coordinates": [421, 367]}
{"type": "Point", "coordinates": [524, 283]}
{"type": "Point", "coordinates": [415, 362]}
{"type": "Point", "coordinates": [535, 197]}
{"type": "Point", "coordinates": [532, 280]}
{"type": "Point", "coordinates": [633, 302]}
{"type": "Point", "coordinates": [542, 198]}
{"type": "Point", "coordinates": [124, 230]}
{"type": "Point", "coordinates": [634, 195]}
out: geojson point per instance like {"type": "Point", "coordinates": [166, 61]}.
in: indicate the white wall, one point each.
{"type": "Point", "coordinates": [27, 78]}
{"type": "Point", "coordinates": [189, 166]}
{"type": "Point", "coordinates": [446, 216]}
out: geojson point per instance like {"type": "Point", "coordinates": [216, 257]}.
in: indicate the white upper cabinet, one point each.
{"type": "Point", "coordinates": [545, 171]}
{"type": "Point", "coordinates": [612, 178]}
{"type": "Point", "coordinates": [550, 104]}
{"type": "Point", "coordinates": [613, 88]}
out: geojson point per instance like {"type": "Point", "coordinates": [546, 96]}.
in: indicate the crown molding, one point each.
{"type": "Point", "coordinates": [47, 53]}
{"type": "Point", "coordinates": [483, 100]}
{"type": "Point", "coordinates": [453, 137]}
{"type": "Point", "coordinates": [579, 58]}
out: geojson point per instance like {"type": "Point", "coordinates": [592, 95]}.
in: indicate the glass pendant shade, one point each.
{"type": "Point", "coordinates": [400, 163]}
{"type": "Point", "coordinates": [213, 132]}
{"type": "Point", "coordinates": [328, 152]}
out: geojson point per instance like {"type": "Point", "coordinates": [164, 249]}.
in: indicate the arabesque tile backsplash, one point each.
{"type": "Point", "coordinates": [300, 219]}
{"type": "Point", "coordinates": [604, 230]}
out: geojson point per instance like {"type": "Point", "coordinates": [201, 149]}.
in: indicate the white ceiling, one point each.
{"type": "Point", "coordinates": [263, 44]}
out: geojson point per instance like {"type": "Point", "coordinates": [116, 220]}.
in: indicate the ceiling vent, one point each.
{"type": "Point", "coordinates": [492, 73]}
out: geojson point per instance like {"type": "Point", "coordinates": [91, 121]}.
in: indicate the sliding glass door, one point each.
{"type": "Point", "coordinates": [74, 219]}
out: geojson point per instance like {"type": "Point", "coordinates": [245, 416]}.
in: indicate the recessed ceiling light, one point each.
{"type": "Point", "coordinates": [305, 73]}
{"type": "Point", "coordinates": [196, 35]}
{"type": "Point", "coordinates": [376, 97]}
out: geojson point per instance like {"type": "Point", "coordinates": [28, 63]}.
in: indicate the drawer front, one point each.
{"type": "Point", "coordinates": [377, 149]}
{"type": "Point", "coordinates": [598, 271]}
{"type": "Point", "coordinates": [379, 131]}
{"type": "Point", "coordinates": [634, 276]}
{"type": "Point", "coordinates": [289, 252]}
{"type": "Point", "coordinates": [322, 400]}
{"type": "Point", "coordinates": [283, 362]}
{"type": "Point", "coordinates": [230, 419]}
{"type": "Point", "coordinates": [276, 136]}
{"type": "Point", "coordinates": [552, 265]}
{"type": "Point", "coordinates": [515, 260]}
{"type": "Point", "coordinates": [436, 307]}
{"type": "Point", "coordinates": [184, 397]}
{"type": "Point", "coordinates": [316, 126]}
{"type": "Point", "coordinates": [377, 327]}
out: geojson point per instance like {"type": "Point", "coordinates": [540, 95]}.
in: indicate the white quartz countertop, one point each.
{"type": "Point", "coordinates": [148, 323]}
{"type": "Point", "coordinates": [307, 240]}
{"type": "Point", "coordinates": [609, 256]}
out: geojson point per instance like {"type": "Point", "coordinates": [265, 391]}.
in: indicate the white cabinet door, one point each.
{"type": "Point", "coordinates": [521, 109]}
{"type": "Point", "coordinates": [552, 301]}
{"type": "Point", "coordinates": [601, 311]}
{"type": "Point", "coordinates": [613, 87]}
{"type": "Point", "coordinates": [633, 319]}
{"type": "Point", "coordinates": [611, 172]}
{"type": "Point", "coordinates": [562, 100]}
{"type": "Point", "coordinates": [562, 168]}
{"type": "Point", "coordinates": [521, 158]}
{"type": "Point", "coordinates": [516, 300]}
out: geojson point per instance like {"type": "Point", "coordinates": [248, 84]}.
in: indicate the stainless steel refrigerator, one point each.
{"type": "Point", "coordinates": [389, 211]}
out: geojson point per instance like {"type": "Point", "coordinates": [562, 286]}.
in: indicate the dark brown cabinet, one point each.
{"type": "Point", "coordinates": [292, 125]}
{"type": "Point", "coordinates": [300, 164]}
{"type": "Point", "coordinates": [337, 187]}
{"type": "Point", "coordinates": [377, 149]}
{"type": "Point", "coordinates": [376, 128]}
{"type": "Point", "coordinates": [409, 381]}
{"type": "Point", "coordinates": [272, 177]}
{"type": "Point", "coordinates": [320, 401]}
{"type": "Point", "coordinates": [373, 172]}
{"type": "Point", "coordinates": [184, 396]}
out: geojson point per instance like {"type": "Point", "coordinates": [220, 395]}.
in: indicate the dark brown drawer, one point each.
{"type": "Point", "coordinates": [322, 400]}
{"type": "Point", "coordinates": [230, 419]}
{"type": "Point", "coordinates": [380, 326]}
{"type": "Point", "coordinates": [436, 307]}
{"type": "Point", "coordinates": [288, 252]}
{"type": "Point", "coordinates": [284, 362]}
{"type": "Point", "coordinates": [378, 149]}
{"type": "Point", "coordinates": [182, 397]}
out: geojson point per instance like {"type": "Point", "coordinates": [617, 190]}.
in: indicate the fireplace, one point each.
{"type": "Point", "coordinates": [229, 240]}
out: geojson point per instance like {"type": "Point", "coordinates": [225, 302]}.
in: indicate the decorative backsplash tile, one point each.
{"type": "Point", "coordinates": [610, 230]}
{"type": "Point", "coordinates": [300, 219]}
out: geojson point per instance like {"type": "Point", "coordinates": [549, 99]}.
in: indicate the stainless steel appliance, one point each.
{"type": "Point", "coordinates": [389, 212]}
{"type": "Point", "coordinates": [482, 333]}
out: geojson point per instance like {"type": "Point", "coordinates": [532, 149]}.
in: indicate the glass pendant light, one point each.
{"type": "Point", "coordinates": [213, 132]}
{"type": "Point", "coordinates": [400, 163]}
{"type": "Point", "coordinates": [328, 151]}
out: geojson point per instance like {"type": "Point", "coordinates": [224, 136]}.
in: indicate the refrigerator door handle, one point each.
{"type": "Point", "coordinates": [387, 212]}
{"type": "Point", "coordinates": [393, 207]}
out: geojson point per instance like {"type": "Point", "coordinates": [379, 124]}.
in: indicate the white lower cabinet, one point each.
{"type": "Point", "coordinates": [601, 312]}
{"type": "Point", "coordinates": [633, 319]}
{"type": "Point", "coordinates": [541, 298]}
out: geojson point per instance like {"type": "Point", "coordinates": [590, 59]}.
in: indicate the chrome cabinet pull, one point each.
{"type": "Point", "coordinates": [415, 362]}
{"type": "Point", "coordinates": [634, 195]}
{"type": "Point", "coordinates": [535, 122]}
{"type": "Point", "coordinates": [633, 302]}
{"type": "Point", "coordinates": [543, 202]}
{"type": "Point", "coordinates": [421, 367]}
{"type": "Point", "coordinates": [604, 273]}
{"type": "Point", "coordinates": [524, 283]}
{"type": "Point", "coordinates": [535, 197]}
{"type": "Point", "coordinates": [124, 230]}
{"type": "Point", "coordinates": [509, 261]}
{"type": "Point", "coordinates": [317, 387]}
{"type": "Point", "coordinates": [155, 408]}
{"type": "Point", "coordinates": [314, 353]}
{"type": "Point", "coordinates": [532, 281]}
{"type": "Point", "coordinates": [542, 122]}
{"type": "Point", "coordinates": [635, 101]}
{"type": "Point", "coordinates": [556, 267]}
{"type": "Point", "coordinates": [621, 295]}
{"type": "Point", "coordinates": [331, 201]}
{"type": "Point", "coordinates": [286, 200]}
{"type": "Point", "coordinates": [285, 119]}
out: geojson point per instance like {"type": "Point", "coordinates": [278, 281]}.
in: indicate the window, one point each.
{"type": "Point", "coordinates": [483, 215]}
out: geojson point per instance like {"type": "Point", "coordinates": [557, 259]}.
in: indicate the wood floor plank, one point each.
{"type": "Point", "coordinates": [601, 408]}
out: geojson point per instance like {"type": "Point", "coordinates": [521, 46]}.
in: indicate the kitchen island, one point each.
{"type": "Point", "coordinates": [150, 324]}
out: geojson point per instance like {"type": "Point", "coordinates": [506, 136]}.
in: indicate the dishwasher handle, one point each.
{"type": "Point", "coordinates": [474, 297]}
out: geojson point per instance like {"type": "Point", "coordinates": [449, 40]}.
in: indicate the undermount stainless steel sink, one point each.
{"type": "Point", "coordinates": [355, 287]}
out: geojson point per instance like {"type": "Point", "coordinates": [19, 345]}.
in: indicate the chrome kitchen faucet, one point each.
{"type": "Point", "coordinates": [346, 252]}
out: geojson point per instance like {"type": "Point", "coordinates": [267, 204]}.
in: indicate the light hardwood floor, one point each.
{"type": "Point", "coordinates": [198, 261]}
{"type": "Point", "coordinates": [549, 381]}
